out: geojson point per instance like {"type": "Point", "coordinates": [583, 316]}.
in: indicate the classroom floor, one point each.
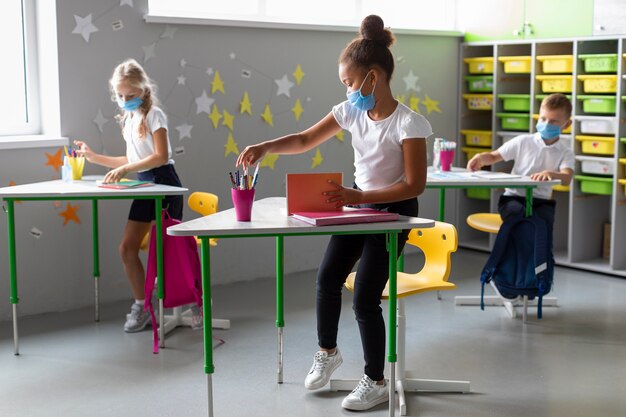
{"type": "Point", "coordinates": [571, 363]}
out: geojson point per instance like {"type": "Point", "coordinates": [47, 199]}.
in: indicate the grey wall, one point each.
{"type": "Point", "coordinates": [54, 270]}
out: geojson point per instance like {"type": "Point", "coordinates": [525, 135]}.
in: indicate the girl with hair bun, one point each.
{"type": "Point", "coordinates": [149, 154]}
{"type": "Point", "coordinates": [390, 172]}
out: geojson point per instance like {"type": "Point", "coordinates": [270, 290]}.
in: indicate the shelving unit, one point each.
{"type": "Point", "coordinates": [597, 197]}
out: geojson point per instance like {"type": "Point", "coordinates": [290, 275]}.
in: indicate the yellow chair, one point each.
{"type": "Point", "coordinates": [437, 244]}
{"type": "Point", "coordinates": [485, 222]}
{"type": "Point", "coordinates": [205, 204]}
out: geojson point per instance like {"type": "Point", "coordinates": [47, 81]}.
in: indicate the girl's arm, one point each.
{"type": "Point", "coordinates": [414, 155]}
{"type": "Point", "coordinates": [96, 158]}
{"type": "Point", "coordinates": [158, 158]}
{"type": "Point", "coordinates": [291, 144]}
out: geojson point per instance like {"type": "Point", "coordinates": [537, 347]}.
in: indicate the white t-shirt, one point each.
{"type": "Point", "coordinates": [532, 155]}
{"type": "Point", "coordinates": [139, 148]}
{"type": "Point", "coordinates": [378, 159]}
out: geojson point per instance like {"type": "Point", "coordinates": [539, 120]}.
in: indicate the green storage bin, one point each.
{"type": "Point", "coordinates": [598, 104]}
{"type": "Point", "coordinates": [515, 121]}
{"type": "Point", "coordinates": [623, 140]}
{"type": "Point", "coordinates": [479, 83]}
{"type": "Point", "coordinates": [540, 97]}
{"type": "Point", "coordinates": [595, 185]}
{"type": "Point", "coordinates": [478, 193]}
{"type": "Point", "coordinates": [600, 62]}
{"type": "Point", "coordinates": [515, 102]}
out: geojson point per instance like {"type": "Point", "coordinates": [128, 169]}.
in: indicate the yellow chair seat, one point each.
{"type": "Point", "coordinates": [409, 284]}
{"type": "Point", "coordinates": [485, 222]}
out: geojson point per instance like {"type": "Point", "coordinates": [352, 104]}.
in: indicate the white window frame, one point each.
{"type": "Point", "coordinates": [43, 128]}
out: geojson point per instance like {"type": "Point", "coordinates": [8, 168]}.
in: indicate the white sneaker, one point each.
{"type": "Point", "coordinates": [137, 320]}
{"type": "Point", "coordinates": [323, 367]}
{"type": "Point", "coordinates": [366, 395]}
{"type": "Point", "coordinates": [516, 301]}
{"type": "Point", "coordinates": [197, 321]}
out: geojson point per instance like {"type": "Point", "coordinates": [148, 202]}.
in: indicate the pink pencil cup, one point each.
{"type": "Point", "coordinates": [242, 200]}
{"type": "Point", "coordinates": [446, 157]}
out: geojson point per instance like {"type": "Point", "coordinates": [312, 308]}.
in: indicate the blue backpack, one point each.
{"type": "Point", "coordinates": [521, 261]}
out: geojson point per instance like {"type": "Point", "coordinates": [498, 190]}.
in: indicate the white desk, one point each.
{"type": "Point", "coordinates": [269, 218]}
{"type": "Point", "coordinates": [85, 189]}
{"type": "Point", "coordinates": [461, 178]}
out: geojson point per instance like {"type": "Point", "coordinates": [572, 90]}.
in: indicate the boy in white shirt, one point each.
{"type": "Point", "coordinates": [541, 156]}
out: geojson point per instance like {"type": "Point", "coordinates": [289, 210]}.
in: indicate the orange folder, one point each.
{"type": "Point", "coordinates": [304, 191]}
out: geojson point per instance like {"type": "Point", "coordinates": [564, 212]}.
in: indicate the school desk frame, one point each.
{"type": "Point", "coordinates": [85, 189]}
{"type": "Point", "coordinates": [466, 183]}
{"type": "Point", "coordinates": [269, 219]}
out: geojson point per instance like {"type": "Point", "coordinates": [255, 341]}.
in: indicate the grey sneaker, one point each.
{"type": "Point", "coordinates": [366, 395]}
{"type": "Point", "coordinates": [137, 320]}
{"type": "Point", "coordinates": [323, 367]}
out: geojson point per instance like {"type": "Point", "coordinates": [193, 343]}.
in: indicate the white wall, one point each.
{"type": "Point", "coordinates": [54, 270]}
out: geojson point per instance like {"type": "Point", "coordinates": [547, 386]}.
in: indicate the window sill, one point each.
{"type": "Point", "coordinates": [31, 141]}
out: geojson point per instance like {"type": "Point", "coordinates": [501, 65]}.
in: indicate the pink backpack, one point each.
{"type": "Point", "coordinates": [181, 272]}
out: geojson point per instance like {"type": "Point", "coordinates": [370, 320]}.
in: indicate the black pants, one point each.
{"type": "Point", "coordinates": [513, 205]}
{"type": "Point", "coordinates": [143, 210]}
{"type": "Point", "coordinates": [341, 255]}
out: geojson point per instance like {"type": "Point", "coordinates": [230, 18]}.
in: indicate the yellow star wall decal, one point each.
{"type": "Point", "coordinates": [401, 99]}
{"type": "Point", "coordinates": [245, 106]}
{"type": "Point", "coordinates": [215, 116]}
{"type": "Point", "coordinates": [298, 74]}
{"type": "Point", "coordinates": [228, 120]}
{"type": "Point", "coordinates": [217, 84]}
{"type": "Point", "coordinates": [317, 158]}
{"type": "Point", "coordinates": [267, 115]}
{"type": "Point", "coordinates": [297, 110]}
{"type": "Point", "coordinates": [339, 136]}
{"type": "Point", "coordinates": [70, 214]}
{"type": "Point", "coordinates": [414, 104]}
{"type": "Point", "coordinates": [56, 160]}
{"type": "Point", "coordinates": [231, 146]}
{"type": "Point", "coordinates": [431, 105]}
{"type": "Point", "coordinates": [269, 160]}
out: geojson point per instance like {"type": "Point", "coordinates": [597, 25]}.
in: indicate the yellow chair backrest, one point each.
{"type": "Point", "coordinates": [203, 203]}
{"type": "Point", "coordinates": [437, 243]}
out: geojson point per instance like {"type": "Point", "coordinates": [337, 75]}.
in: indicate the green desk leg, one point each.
{"type": "Point", "coordinates": [96, 257]}
{"type": "Point", "coordinates": [529, 201]}
{"type": "Point", "coordinates": [280, 302]}
{"type": "Point", "coordinates": [442, 203]}
{"type": "Point", "coordinates": [13, 271]}
{"type": "Point", "coordinates": [208, 319]}
{"type": "Point", "coordinates": [158, 207]}
{"type": "Point", "coordinates": [392, 247]}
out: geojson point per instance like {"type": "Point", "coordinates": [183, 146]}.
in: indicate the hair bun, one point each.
{"type": "Point", "coordinates": [373, 28]}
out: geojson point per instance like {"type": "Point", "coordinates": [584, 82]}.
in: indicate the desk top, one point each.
{"type": "Point", "coordinates": [86, 187]}
{"type": "Point", "coordinates": [461, 177]}
{"type": "Point", "coordinates": [269, 217]}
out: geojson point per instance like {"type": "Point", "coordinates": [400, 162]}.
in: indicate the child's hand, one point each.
{"type": "Point", "coordinates": [474, 164]}
{"type": "Point", "coordinates": [84, 150]}
{"type": "Point", "coordinates": [342, 196]}
{"type": "Point", "coordinates": [541, 176]}
{"type": "Point", "coordinates": [251, 155]}
{"type": "Point", "coordinates": [115, 175]}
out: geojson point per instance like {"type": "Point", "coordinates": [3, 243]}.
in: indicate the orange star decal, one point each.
{"type": "Point", "coordinates": [69, 214]}
{"type": "Point", "coordinates": [12, 184]}
{"type": "Point", "coordinates": [56, 160]}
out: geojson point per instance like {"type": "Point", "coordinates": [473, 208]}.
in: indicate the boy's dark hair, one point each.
{"type": "Point", "coordinates": [371, 48]}
{"type": "Point", "coordinates": [558, 101]}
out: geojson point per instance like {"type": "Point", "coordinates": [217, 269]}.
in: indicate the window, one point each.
{"type": "Point", "coordinates": [20, 109]}
{"type": "Point", "coordinates": [398, 14]}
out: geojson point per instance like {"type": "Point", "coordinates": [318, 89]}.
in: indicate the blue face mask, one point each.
{"type": "Point", "coordinates": [361, 102]}
{"type": "Point", "coordinates": [548, 131]}
{"type": "Point", "coordinates": [130, 105]}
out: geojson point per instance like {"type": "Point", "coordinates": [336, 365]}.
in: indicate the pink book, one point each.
{"type": "Point", "coordinates": [346, 216]}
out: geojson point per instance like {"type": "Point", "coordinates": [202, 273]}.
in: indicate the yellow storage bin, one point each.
{"type": "Point", "coordinates": [623, 162]}
{"type": "Point", "coordinates": [516, 64]}
{"type": "Point", "coordinates": [480, 65]}
{"type": "Point", "coordinates": [564, 131]}
{"type": "Point", "coordinates": [599, 83]}
{"type": "Point", "coordinates": [555, 83]}
{"type": "Point", "coordinates": [623, 182]}
{"type": "Point", "coordinates": [560, 188]}
{"type": "Point", "coordinates": [598, 145]}
{"type": "Point", "coordinates": [556, 64]}
{"type": "Point", "coordinates": [471, 152]}
{"type": "Point", "coordinates": [477, 137]}
{"type": "Point", "coordinates": [479, 101]}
